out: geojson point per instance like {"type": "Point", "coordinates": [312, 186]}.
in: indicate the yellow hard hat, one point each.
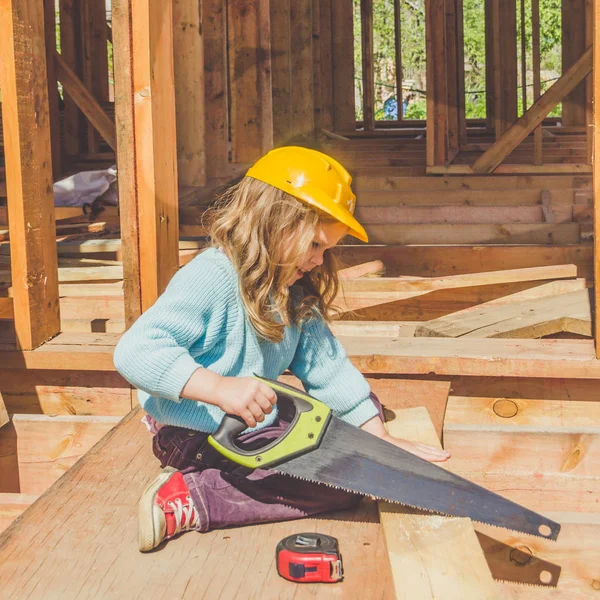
{"type": "Point", "coordinates": [313, 178]}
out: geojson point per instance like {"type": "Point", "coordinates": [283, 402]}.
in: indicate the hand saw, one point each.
{"type": "Point", "coordinates": [322, 448]}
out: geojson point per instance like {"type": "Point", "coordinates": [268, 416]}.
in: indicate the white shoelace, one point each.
{"type": "Point", "coordinates": [187, 513]}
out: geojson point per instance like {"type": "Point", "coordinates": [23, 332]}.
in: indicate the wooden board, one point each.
{"type": "Point", "coordinates": [532, 318]}
{"type": "Point", "coordinates": [577, 551]}
{"type": "Point", "coordinates": [12, 506]}
{"type": "Point", "coordinates": [543, 453]}
{"type": "Point", "coordinates": [431, 556]}
{"type": "Point", "coordinates": [43, 448]}
{"type": "Point", "coordinates": [123, 463]}
{"type": "Point", "coordinates": [4, 419]}
{"type": "Point", "coordinates": [26, 123]}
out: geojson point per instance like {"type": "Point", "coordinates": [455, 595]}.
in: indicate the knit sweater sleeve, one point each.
{"type": "Point", "coordinates": [327, 374]}
{"type": "Point", "coordinates": [195, 309]}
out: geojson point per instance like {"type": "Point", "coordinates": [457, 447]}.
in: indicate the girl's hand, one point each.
{"type": "Point", "coordinates": [245, 397]}
{"type": "Point", "coordinates": [430, 453]}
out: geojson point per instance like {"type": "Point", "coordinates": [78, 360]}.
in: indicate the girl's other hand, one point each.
{"type": "Point", "coordinates": [245, 397]}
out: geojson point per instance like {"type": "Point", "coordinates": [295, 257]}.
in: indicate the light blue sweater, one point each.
{"type": "Point", "coordinates": [200, 321]}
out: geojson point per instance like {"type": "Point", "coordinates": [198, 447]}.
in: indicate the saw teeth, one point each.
{"type": "Point", "coordinates": [433, 512]}
{"type": "Point", "coordinates": [526, 583]}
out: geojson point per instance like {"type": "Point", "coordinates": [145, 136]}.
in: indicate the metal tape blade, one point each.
{"type": "Point", "coordinates": [354, 460]}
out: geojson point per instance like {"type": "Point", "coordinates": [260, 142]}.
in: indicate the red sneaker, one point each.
{"type": "Point", "coordinates": [165, 510]}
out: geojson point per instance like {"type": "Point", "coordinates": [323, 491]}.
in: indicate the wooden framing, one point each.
{"type": "Point", "coordinates": [53, 97]}
{"type": "Point", "coordinates": [188, 56]}
{"type": "Point", "coordinates": [596, 173]}
{"type": "Point", "coordinates": [535, 115]}
{"type": "Point", "coordinates": [214, 27]}
{"type": "Point", "coordinates": [573, 46]}
{"type": "Point", "coordinates": [368, 75]}
{"type": "Point", "coordinates": [26, 125]}
{"type": "Point", "coordinates": [342, 27]}
{"type": "Point", "coordinates": [251, 108]}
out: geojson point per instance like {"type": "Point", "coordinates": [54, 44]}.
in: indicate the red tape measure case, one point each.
{"type": "Point", "coordinates": [309, 558]}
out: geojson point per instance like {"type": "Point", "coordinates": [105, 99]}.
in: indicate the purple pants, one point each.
{"type": "Point", "coordinates": [226, 494]}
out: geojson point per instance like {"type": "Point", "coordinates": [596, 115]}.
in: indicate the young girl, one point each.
{"type": "Point", "coordinates": [254, 303]}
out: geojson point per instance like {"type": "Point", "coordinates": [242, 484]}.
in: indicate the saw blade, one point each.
{"type": "Point", "coordinates": [354, 460]}
{"type": "Point", "coordinates": [517, 564]}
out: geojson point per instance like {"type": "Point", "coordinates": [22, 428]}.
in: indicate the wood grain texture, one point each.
{"type": "Point", "coordinates": [431, 556]}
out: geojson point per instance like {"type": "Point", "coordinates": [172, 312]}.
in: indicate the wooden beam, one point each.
{"type": "Point", "coordinates": [45, 448]}
{"type": "Point", "coordinates": [12, 506]}
{"type": "Point", "coordinates": [188, 55]}
{"type": "Point", "coordinates": [535, 115]}
{"type": "Point", "coordinates": [326, 75]}
{"type": "Point", "coordinates": [437, 122]}
{"type": "Point", "coordinates": [596, 174]}
{"type": "Point", "coordinates": [214, 27]}
{"type": "Point", "coordinates": [398, 57]}
{"type": "Point", "coordinates": [430, 555]}
{"type": "Point", "coordinates": [251, 108]}
{"type": "Point", "coordinates": [342, 28]}
{"type": "Point", "coordinates": [281, 72]}
{"type": "Point", "coordinates": [155, 146]}
{"type": "Point", "coordinates": [70, 49]}
{"type": "Point", "coordinates": [301, 63]}
{"type": "Point", "coordinates": [368, 74]}
{"type": "Point", "coordinates": [534, 318]}
{"type": "Point", "coordinates": [573, 46]}
{"type": "Point", "coordinates": [53, 97]}
{"type": "Point", "coordinates": [94, 57]}
{"type": "Point", "coordinates": [25, 117]}
{"type": "Point", "coordinates": [501, 442]}
{"type": "Point", "coordinates": [127, 180]}
{"type": "Point", "coordinates": [88, 105]}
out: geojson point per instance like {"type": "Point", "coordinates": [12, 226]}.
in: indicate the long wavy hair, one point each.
{"type": "Point", "coordinates": [257, 225]}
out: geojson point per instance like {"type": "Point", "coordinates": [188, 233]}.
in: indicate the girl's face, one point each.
{"type": "Point", "coordinates": [327, 236]}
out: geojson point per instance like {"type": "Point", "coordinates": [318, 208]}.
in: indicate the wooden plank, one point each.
{"type": "Point", "coordinates": [535, 115]}
{"type": "Point", "coordinates": [214, 23]}
{"type": "Point", "coordinates": [94, 59]}
{"type": "Point", "coordinates": [70, 49]}
{"type": "Point", "coordinates": [301, 64]}
{"type": "Point", "coordinates": [123, 463]}
{"type": "Point", "coordinates": [325, 119]}
{"type": "Point", "coordinates": [83, 393]}
{"type": "Point", "coordinates": [88, 105]}
{"type": "Point", "coordinates": [374, 268]}
{"type": "Point", "coordinates": [573, 46]}
{"type": "Point", "coordinates": [53, 96]}
{"type": "Point", "coordinates": [537, 85]}
{"type": "Point", "coordinates": [527, 319]}
{"type": "Point", "coordinates": [501, 233]}
{"type": "Point", "coordinates": [25, 117]}
{"type": "Point", "coordinates": [368, 73]}
{"type": "Point", "coordinates": [487, 357]}
{"type": "Point", "coordinates": [430, 555]}
{"type": "Point", "coordinates": [155, 147]}
{"type": "Point", "coordinates": [398, 56]}
{"type": "Point", "coordinates": [4, 419]}
{"type": "Point", "coordinates": [577, 551]}
{"type": "Point", "coordinates": [251, 109]}
{"type": "Point", "coordinates": [188, 58]}
{"type": "Point", "coordinates": [12, 506]}
{"type": "Point", "coordinates": [501, 442]}
{"type": "Point", "coordinates": [596, 174]}
{"type": "Point", "coordinates": [544, 290]}
{"type": "Point", "coordinates": [281, 72]}
{"type": "Point", "coordinates": [436, 123]}
{"type": "Point", "coordinates": [524, 169]}
{"type": "Point", "coordinates": [342, 28]}
{"type": "Point", "coordinates": [46, 447]}
{"type": "Point", "coordinates": [73, 274]}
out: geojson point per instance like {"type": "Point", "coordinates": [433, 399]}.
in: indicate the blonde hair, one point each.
{"type": "Point", "coordinates": [253, 222]}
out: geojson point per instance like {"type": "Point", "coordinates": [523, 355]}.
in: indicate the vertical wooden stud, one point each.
{"type": "Point", "coordinates": [523, 58]}
{"type": "Point", "coordinates": [214, 18]}
{"type": "Point", "coordinates": [490, 65]}
{"type": "Point", "coordinates": [301, 61]}
{"type": "Point", "coordinates": [316, 52]}
{"type": "Point", "coordinates": [326, 65]}
{"type": "Point", "coordinates": [281, 71]}
{"type": "Point", "coordinates": [250, 79]}
{"type": "Point", "coordinates": [53, 98]}
{"type": "Point", "coordinates": [188, 54]}
{"type": "Point", "coordinates": [537, 85]}
{"type": "Point", "coordinates": [398, 56]}
{"type": "Point", "coordinates": [451, 60]}
{"type": "Point", "coordinates": [342, 27]}
{"type": "Point", "coordinates": [596, 173]}
{"type": "Point", "coordinates": [26, 125]}
{"type": "Point", "coordinates": [460, 75]}
{"type": "Point", "coordinates": [366, 20]}
{"type": "Point", "coordinates": [573, 46]}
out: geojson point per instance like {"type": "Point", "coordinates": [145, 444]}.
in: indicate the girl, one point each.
{"type": "Point", "coordinates": [254, 303]}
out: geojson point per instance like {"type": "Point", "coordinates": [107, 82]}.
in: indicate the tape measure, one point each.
{"type": "Point", "coordinates": [309, 558]}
